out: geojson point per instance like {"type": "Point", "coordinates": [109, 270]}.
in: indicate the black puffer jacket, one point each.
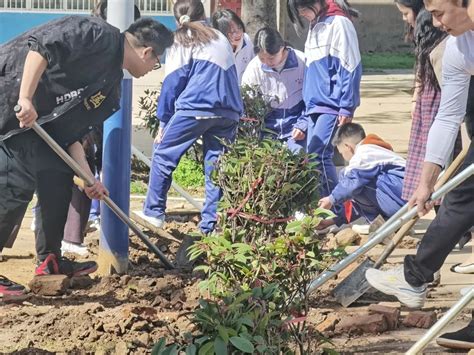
{"type": "Point", "coordinates": [81, 85]}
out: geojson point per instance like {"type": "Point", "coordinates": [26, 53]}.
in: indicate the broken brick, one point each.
{"type": "Point", "coordinates": [391, 314]}
{"type": "Point", "coordinates": [346, 237]}
{"type": "Point", "coordinates": [420, 319]}
{"type": "Point", "coordinates": [375, 323]}
{"type": "Point", "coordinates": [49, 285]}
{"type": "Point", "coordinates": [328, 324]}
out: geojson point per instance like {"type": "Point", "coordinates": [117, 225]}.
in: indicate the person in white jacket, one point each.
{"type": "Point", "coordinates": [230, 24]}
{"type": "Point", "coordinates": [278, 71]}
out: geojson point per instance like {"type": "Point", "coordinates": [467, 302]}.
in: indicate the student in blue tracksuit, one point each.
{"type": "Point", "coordinates": [233, 28]}
{"type": "Point", "coordinates": [373, 180]}
{"type": "Point", "coordinates": [200, 97]}
{"type": "Point", "coordinates": [332, 79]}
{"type": "Point", "coordinates": [278, 71]}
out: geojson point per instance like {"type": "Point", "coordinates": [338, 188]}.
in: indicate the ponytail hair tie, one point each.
{"type": "Point", "coordinates": [184, 19]}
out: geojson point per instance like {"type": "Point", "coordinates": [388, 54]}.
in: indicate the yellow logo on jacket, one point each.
{"type": "Point", "coordinates": [94, 101]}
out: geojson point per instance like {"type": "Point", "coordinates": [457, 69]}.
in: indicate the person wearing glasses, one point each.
{"type": "Point", "coordinates": [84, 213]}
{"type": "Point", "coordinates": [200, 97]}
{"type": "Point", "coordinates": [66, 75]}
{"type": "Point", "coordinates": [278, 71]}
{"type": "Point", "coordinates": [227, 22]}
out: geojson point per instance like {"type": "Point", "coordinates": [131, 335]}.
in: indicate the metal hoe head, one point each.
{"type": "Point", "coordinates": [354, 285]}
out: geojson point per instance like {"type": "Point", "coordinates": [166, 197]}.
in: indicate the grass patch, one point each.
{"type": "Point", "coordinates": [138, 187]}
{"type": "Point", "coordinates": [388, 61]}
{"type": "Point", "coordinates": [189, 173]}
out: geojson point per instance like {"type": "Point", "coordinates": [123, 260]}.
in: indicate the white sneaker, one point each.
{"type": "Point", "coordinates": [465, 290]}
{"type": "Point", "coordinates": [392, 282]}
{"type": "Point", "coordinates": [158, 222]}
{"type": "Point", "coordinates": [79, 249]}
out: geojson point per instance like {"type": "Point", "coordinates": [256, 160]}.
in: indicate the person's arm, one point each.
{"type": "Point", "coordinates": [35, 65]}
{"type": "Point", "coordinates": [176, 78]}
{"type": "Point", "coordinates": [346, 48]}
{"type": "Point", "coordinates": [350, 182]}
{"type": "Point", "coordinates": [445, 127]}
{"type": "Point", "coordinates": [96, 191]}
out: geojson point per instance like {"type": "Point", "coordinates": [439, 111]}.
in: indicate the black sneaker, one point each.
{"type": "Point", "coordinates": [462, 339]}
{"type": "Point", "coordinates": [62, 266]}
{"type": "Point", "coordinates": [10, 288]}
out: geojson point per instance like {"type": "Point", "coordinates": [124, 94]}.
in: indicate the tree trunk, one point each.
{"type": "Point", "coordinates": [257, 14]}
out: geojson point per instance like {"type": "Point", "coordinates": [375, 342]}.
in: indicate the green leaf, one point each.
{"type": "Point", "coordinates": [191, 350]}
{"type": "Point", "coordinates": [321, 212]}
{"type": "Point", "coordinates": [159, 347]}
{"type": "Point", "coordinates": [172, 350]}
{"type": "Point", "coordinates": [220, 347]}
{"type": "Point", "coordinates": [247, 321]}
{"type": "Point", "coordinates": [203, 268]}
{"type": "Point", "coordinates": [223, 333]}
{"type": "Point", "coordinates": [242, 344]}
{"type": "Point", "coordinates": [293, 227]}
{"type": "Point", "coordinates": [207, 348]}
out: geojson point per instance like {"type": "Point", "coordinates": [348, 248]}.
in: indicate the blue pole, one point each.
{"type": "Point", "coordinates": [114, 235]}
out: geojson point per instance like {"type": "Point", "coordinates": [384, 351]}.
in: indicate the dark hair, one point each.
{"type": "Point", "coordinates": [148, 32]}
{"type": "Point", "coordinates": [221, 21]}
{"type": "Point", "coordinates": [100, 10]}
{"type": "Point", "coordinates": [416, 6]}
{"type": "Point", "coordinates": [426, 38]}
{"type": "Point", "coordinates": [268, 40]}
{"type": "Point", "coordinates": [191, 31]}
{"type": "Point", "coordinates": [293, 5]}
{"type": "Point", "coordinates": [348, 131]}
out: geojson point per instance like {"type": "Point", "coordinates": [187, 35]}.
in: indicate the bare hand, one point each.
{"type": "Point", "coordinates": [96, 191]}
{"type": "Point", "coordinates": [343, 120]}
{"type": "Point", "coordinates": [421, 199]}
{"type": "Point", "coordinates": [27, 115]}
{"type": "Point", "coordinates": [298, 134]}
{"type": "Point", "coordinates": [159, 135]}
{"type": "Point", "coordinates": [325, 202]}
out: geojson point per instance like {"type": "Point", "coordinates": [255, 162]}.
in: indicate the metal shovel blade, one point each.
{"type": "Point", "coordinates": [354, 285]}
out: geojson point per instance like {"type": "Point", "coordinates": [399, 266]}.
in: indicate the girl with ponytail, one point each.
{"type": "Point", "coordinates": [331, 87]}
{"type": "Point", "coordinates": [200, 98]}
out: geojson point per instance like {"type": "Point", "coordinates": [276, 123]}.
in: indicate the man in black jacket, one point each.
{"type": "Point", "coordinates": [68, 73]}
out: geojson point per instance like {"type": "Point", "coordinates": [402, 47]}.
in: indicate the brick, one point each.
{"type": "Point", "coordinates": [49, 285]}
{"type": "Point", "coordinates": [81, 282]}
{"type": "Point", "coordinates": [391, 314]}
{"type": "Point", "coordinates": [420, 319]}
{"type": "Point", "coordinates": [346, 237]}
{"type": "Point", "coordinates": [329, 324]}
{"type": "Point", "coordinates": [375, 323]}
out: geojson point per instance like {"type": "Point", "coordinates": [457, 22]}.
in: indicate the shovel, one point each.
{"type": "Point", "coordinates": [355, 285]}
{"type": "Point", "coordinates": [89, 181]}
{"type": "Point", "coordinates": [404, 215]}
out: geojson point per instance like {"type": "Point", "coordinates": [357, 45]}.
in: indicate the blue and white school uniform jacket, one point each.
{"type": "Point", "coordinates": [284, 90]}
{"type": "Point", "coordinates": [200, 81]}
{"type": "Point", "coordinates": [333, 67]}
{"type": "Point", "coordinates": [374, 176]}
{"type": "Point", "coordinates": [244, 53]}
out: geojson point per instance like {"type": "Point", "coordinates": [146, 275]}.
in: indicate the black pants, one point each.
{"type": "Point", "coordinates": [455, 217]}
{"type": "Point", "coordinates": [28, 164]}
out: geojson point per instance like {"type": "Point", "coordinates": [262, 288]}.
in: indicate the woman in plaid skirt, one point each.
{"type": "Point", "coordinates": [429, 47]}
{"type": "Point", "coordinates": [429, 43]}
